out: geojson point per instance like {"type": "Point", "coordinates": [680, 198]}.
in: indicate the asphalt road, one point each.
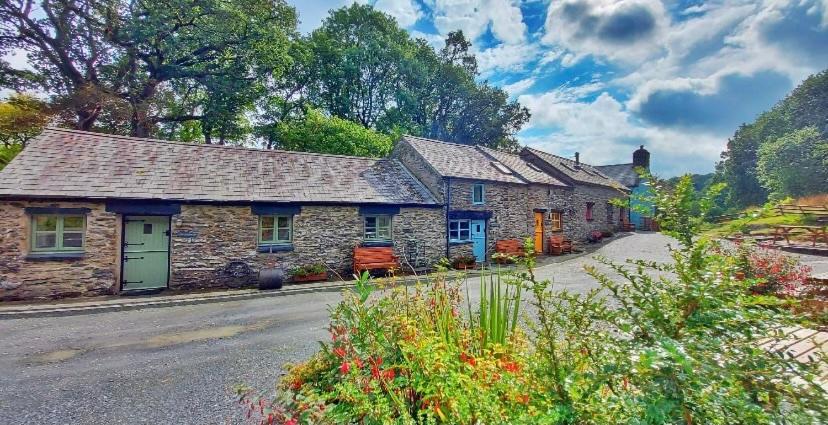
{"type": "Point", "coordinates": [178, 365]}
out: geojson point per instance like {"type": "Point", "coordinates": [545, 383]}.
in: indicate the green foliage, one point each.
{"type": "Point", "coordinates": [22, 117]}
{"type": "Point", "coordinates": [806, 106]}
{"type": "Point", "coordinates": [307, 270]}
{"type": "Point", "coordinates": [319, 133]}
{"type": "Point", "coordinates": [795, 164]}
{"type": "Point", "coordinates": [499, 307]}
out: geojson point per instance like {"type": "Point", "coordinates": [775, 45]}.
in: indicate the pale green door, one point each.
{"type": "Point", "coordinates": [146, 254]}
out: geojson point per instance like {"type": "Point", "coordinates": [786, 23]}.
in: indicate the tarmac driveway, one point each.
{"type": "Point", "coordinates": [179, 364]}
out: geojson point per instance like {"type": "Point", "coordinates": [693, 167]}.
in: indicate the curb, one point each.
{"type": "Point", "coordinates": [123, 306]}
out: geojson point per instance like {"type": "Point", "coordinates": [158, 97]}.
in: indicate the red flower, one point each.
{"type": "Point", "coordinates": [388, 375]}
{"type": "Point", "coordinates": [339, 351]}
{"type": "Point", "coordinates": [511, 367]}
{"type": "Point", "coordinates": [468, 359]}
{"type": "Point", "coordinates": [358, 363]}
{"type": "Point", "coordinates": [345, 367]}
{"type": "Point", "coordinates": [375, 372]}
{"type": "Point", "coordinates": [523, 399]}
{"type": "Point", "coordinates": [291, 421]}
{"type": "Point", "coordinates": [296, 384]}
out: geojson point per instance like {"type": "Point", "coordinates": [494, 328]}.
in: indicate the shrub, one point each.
{"type": "Point", "coordinates": [772, 272]}
{"type": "Point", "coordinates": [307, 270]}
{"type": "Point", "coordinates": [463, 260]}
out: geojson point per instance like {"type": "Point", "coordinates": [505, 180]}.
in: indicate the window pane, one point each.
{"type": "Point", "coordinates": [267, 235]}
{"type": "Point", "coordinates": [283, 222]}
{"type": "Point", "coordinates": [73, 222]}
{"type": "Point", "coordinates": [267, 222]}
{"type": "Point", "coordinates": [464, 225]}
{"type": "Point", "coordinates": [46, 223]}
{"type": "Point", "coordinates": [465, 235]}
{"type": "Point", "coordinates": [453, 225]}
{"type": "Point", "coordinates": [72, 240]}
{"type": "Point", "coordinates": [45, 240]}
{"type": "Point", "coordinates": [284, 235]}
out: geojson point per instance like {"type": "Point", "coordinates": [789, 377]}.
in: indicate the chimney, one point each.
{"type": "Point", "coordinates": [641, 158]}
{"type": "Point", "coordinates": [577, 159]}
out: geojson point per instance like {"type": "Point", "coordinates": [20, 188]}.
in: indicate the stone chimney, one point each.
{"type": "Point", "coordinates": [641, 158]}
{"type": "Point", "coordinates": [577, 159]}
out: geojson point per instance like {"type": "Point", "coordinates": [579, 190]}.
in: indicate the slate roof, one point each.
{"type": "Point", "coordinates": [623, 173]}
{"type": "Point", "coordinates": [526, 170]}
{"type": "Point", "coordinates": [462, 161]}
{"type": "Point", "coordinates": [583, 173]}
{"type": "Point", "coordinates": [64, 163]}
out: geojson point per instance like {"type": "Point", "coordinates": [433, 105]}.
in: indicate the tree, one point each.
{"type": "Point", "coordinates": [806, 105]}
{"type": "Point", "coordinates": [794, 165]}
{"type": "Point", "coordinates": [98, 57]}
{"type": "Point", "coordinates": [22, 117]}
{"type": "Point", "coordinates": [333, 135]}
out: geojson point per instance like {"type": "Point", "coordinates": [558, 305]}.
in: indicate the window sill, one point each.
{"type": "Point", "coordinates": [369, 244]}
{"type": "Point", "coordinates": [271, 248]}
{"type": "Point", "coordinates": [460, 242]}
{"type": "Point", "coordinates": [55, 256]}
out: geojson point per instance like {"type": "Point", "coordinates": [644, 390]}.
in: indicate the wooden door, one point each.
{"type": "Point", "coordinates": [538, 232]}
{"type": "Point", "coordinates": [146, 252]}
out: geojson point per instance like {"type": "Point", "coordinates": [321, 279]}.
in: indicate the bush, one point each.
{"type": "Point", "coordinates": [771, 271]}
{"type": "Point", "coordinates": [463, 260]}
{"type": "Point", "coordinates": [307, 270]}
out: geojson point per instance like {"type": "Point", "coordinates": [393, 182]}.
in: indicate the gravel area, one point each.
{"type": "Point", "coordinates": [178, 365]}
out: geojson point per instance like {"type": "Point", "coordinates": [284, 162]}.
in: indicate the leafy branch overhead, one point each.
{"type": "Point", "coordinates": [230, 72]}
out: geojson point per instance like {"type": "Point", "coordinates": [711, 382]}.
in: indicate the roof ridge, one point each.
{"type": "Point", "coordinates": [614, 165]}
{"type": "Point", "coordinates": [441, 141]}
{"type": "Point", "coordinates": [205, 145]}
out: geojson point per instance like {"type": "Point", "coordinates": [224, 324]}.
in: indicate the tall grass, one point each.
{"type": "Point", "coordinates": [499, 307]}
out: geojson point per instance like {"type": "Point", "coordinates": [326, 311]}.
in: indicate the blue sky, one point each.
{"type": "Point", "coordinates": [602, 77]}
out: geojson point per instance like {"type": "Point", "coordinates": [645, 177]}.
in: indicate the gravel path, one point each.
{"type": "Point", "coordinates": [178, 365]}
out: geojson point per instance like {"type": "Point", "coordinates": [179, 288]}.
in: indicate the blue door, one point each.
{"type": "Point", "coordinates": [478, 236]}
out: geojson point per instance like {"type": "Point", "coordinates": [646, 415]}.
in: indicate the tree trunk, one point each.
{"type": "Point", "coordinates": [87, 118]}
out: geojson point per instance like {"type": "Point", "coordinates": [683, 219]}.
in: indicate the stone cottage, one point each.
{"type": "Point", "coordinates": [85, 213]}
{"type": "Point", "coordinates": [492, 195]}
{"type": "Point", "coordinates": [586, 208]}
{"type": "Point", "coordinates": [639, 211]}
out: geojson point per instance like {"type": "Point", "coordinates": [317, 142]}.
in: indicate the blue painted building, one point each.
{"type": "Point", "coordinates": [627, 175]}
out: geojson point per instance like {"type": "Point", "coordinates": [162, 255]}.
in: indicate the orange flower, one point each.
{"type": "Point", "coordinates": [511, 367]}
{"type": "Point", "coordinates": [339, 351]}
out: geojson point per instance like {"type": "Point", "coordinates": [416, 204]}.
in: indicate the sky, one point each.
{"type": "Point", "coordinates": [602, 77]}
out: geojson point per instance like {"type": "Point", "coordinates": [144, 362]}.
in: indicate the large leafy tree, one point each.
{"type": "Point", "coordinates": [795, 164]}
{"type": "Point", "coordinates": [806, 106]}
{"type": "Point", "coordinates": [317, 132]}
{"type": "Point", "coordinates": [129, 65]}
{"type": "Point", "coordinates": [22, 117]}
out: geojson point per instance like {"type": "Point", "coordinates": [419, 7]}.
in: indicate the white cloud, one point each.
{"type": "Point", "coordinates": [407, 12]}
{"type": "Point", "coordinates": [627, 31]}
{"type": "Point", "coordinates": [603, 131]}
{"type": "Point", "coordinates": [519, 86]}
{"type": "Point", "coordinates": [505, 57]}
{"type": "Point", "coordinates": [474, 17]}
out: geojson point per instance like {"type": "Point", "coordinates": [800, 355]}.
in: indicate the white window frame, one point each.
{"type": "Point", "coordinates": [482, 193]}
{"type": "Point", "coordinates": [380, 232]}
{"type": "Point", "coordinates": [459, 230]}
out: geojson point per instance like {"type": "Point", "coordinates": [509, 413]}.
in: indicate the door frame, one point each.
{"type": "Point", "coordinates": [123, 251]}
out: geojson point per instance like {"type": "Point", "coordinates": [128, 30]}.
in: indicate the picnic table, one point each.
{"type": "Point", "coordinates": [816, 232]}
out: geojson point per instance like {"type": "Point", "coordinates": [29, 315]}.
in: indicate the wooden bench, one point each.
{"type": "Point", "coordinates": [559, 245]}
{"type": "Point", "coordinates": [512, 247]}
{"type": "Point", "coordinates": [785, 231]}
{"type": "Point", "coordinates": [374, 258]}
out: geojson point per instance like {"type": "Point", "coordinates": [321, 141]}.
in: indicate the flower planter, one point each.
{"type": "Point", "coordinates": [464, 266]}
{"type": "Point", "coordinates": [311, 277]}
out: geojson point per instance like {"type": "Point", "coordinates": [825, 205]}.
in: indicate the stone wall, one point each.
{"type": "Point", "coordinates": [208, 242]}
{"type": "Point", "coordinates": [576, 226]}
{"type": "Point", "coordinates": [23, 277]}
{"type": "Point", "coordinates": [418, 167]}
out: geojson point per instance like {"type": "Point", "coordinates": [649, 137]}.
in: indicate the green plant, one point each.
{"type": "Point", "coordinates": [307, 270]}
{"type": "Point", "coordinates": [499, 306]}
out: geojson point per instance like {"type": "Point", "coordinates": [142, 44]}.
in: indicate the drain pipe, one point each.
{"type": "Point", "coordinates": [448, 207]}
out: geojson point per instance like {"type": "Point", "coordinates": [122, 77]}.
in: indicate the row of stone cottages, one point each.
{"type": "Point", "coordinates": [87, 214]}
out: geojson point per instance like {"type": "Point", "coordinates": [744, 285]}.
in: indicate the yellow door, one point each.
{"type": "Point", "coordinates": [538, 232]}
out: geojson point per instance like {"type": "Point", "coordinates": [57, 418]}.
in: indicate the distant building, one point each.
{"type": "Point", "coordinates": [627, 175]}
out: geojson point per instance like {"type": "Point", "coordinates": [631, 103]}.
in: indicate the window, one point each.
{"type": "Point", "coordinates": [557, 221]}
{"type": "Point", "coordinates": [609, 212]}
{"type": "Point", "coordinates": [589, 206]}
{"type": "Point", "coordinates": [459, 230]}
{"type": "Point", "coordinates": [64, 233]}
{"type": "Point", "coordinates": [478, 194]}
{"type": "Point", "coordinates": [275, 229]}
{"type": "Point", "coordinates": [377, 228]}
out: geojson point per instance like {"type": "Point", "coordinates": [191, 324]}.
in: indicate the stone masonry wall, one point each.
{"type": "Point", "coordinates": [577, 227]}
{"type": "Point", "coordinates": [207, 239]}
{"type": "Point", "coordinates": [417, 166]}
{"type": "Point", "coordinates": [22, 277]}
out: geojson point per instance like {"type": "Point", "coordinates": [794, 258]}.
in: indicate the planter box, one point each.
{"type": "Point", "coordinates": [467, 266]}
{"type": "Point", "coordinates": [311, 277]}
